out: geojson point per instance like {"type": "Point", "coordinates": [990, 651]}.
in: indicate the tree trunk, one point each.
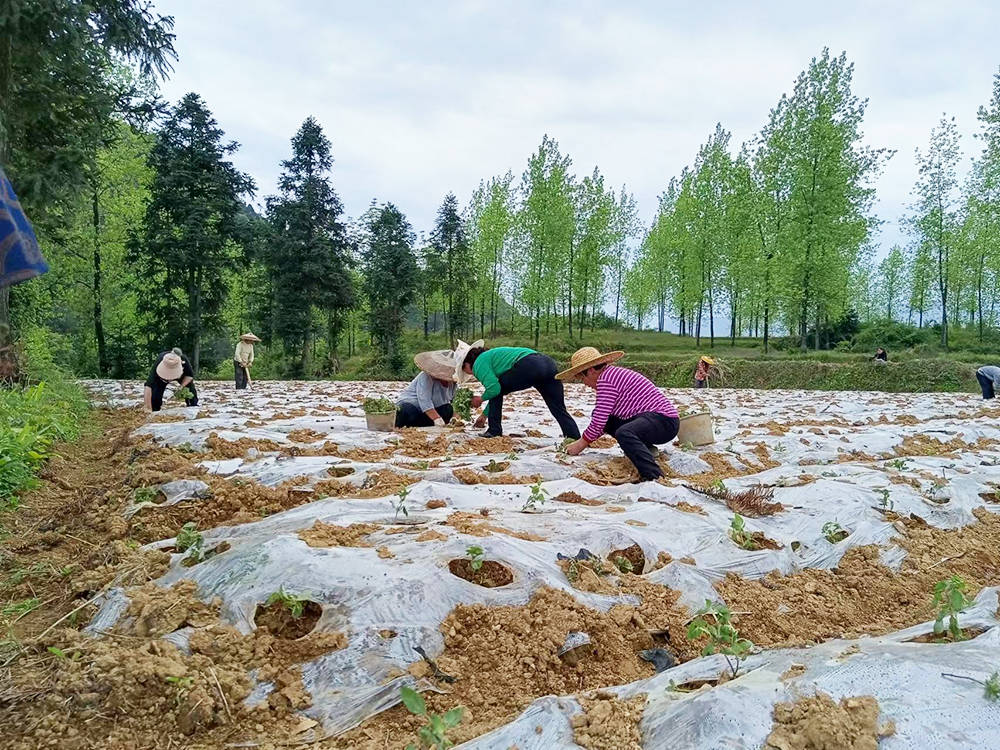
{"type": "Point", "coordinates": [102, 350]}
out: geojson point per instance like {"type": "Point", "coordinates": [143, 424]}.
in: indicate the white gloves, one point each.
{"type": "Point", "coordinates": [439, 422]}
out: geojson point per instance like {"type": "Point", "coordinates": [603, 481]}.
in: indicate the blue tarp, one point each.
{"type": "Point", "coordinates": [20, 257]}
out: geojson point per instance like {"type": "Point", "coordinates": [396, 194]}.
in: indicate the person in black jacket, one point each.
{"type": "Point", "coordinates": [170, 367]}
{"type": "Point", "coordinates": [881, 355]}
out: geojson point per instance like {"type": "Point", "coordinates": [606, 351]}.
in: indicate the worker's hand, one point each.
{"type": "Point", "coordinates": [439, 422]}
{"type": "Point", "coordinates": [476, 402]}
{"type": "Point", "coordinates": [480, 421]}
{"type": "Point", "coordinates": [577, 447]}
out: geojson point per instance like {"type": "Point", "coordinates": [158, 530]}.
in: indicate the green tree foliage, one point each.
{"type": "Point", "coordinates": [491, 216]}
{"type": "Point", "coordinates": [391, 272]}
{"type": "Point", "coordinates": [60, 89]}
{"type": "Point", "coordinates": [934, 220]}
{"type": "Point", "coordinates": [308, 251]}
{"type": "Point", "coordinates": [194, 226]}
{"type": "Point", "coordinates": [451, 252]}
{"type": "Point", "coordinates": [891, 278]}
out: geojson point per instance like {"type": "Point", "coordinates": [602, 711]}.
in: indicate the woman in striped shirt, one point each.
{"type": "Point", "coordinates": [629, 408]}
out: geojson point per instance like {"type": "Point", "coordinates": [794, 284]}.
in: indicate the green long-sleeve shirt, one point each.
{"type": "Point", "coordinates": [493, 363]}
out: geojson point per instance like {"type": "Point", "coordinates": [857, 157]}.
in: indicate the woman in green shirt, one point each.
{"type": "Point", "coordinates": [506, 369]}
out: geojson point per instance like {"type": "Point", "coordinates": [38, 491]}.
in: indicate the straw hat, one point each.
{"type": "Point", "coordinates": [170, 367]}
{"type": "Point", "coordinates": [438, 364]}
{"type": "Point", "coordinates": [708, 360]}
{"type": "Point", "coordinates": [586, 357]}
{"type": "Point", "coordinates": [460, 351]}
{"type": "Point", "coordinates": [250, 337]}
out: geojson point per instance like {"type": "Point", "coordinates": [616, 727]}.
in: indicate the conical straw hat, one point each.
{"type": "Point", "coordinates": [438, 364]}
{"type": "Point", "coordinates": [586, 357]}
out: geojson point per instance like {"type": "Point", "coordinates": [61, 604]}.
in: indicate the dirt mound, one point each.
{"type": "Point", "coordinates": [469, 476]}
{"type": "Point", "coordinates": [330, 535]}
{"type": "Point", "coordinates": [819, 723]}
{"type": "Point", "coordinates": [572, 497]}
{"type": "Point", "coordinates": [287, 617]}
{"type": "Point", "coordinates": [608, 723]}
{"type": "Point", "coordinates": [154, 611]}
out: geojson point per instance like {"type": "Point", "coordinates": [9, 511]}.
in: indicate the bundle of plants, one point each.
{"type": "Point", "coordinates": [753, 503]}
{"type": "Point", "coordinates": [378, 406]}
{"type": "Point", "coordinates": [462, 403]}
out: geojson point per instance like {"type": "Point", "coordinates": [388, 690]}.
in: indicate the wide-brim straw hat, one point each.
{"type": "Point", "coordinates": [171, 367]}
{"type": "Point", "coordinates": [461, 349]}
{"type": "Point", "coordinates": [708, 360]}
{"type": "Point", "coordinates": [250, 337]}
{"type": "Point", "coordinates": [438, 364]}
{"type": "Point", "coordinates": [587, 357]}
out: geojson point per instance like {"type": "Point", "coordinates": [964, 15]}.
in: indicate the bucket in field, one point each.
{"type": "Point", "coordinates": [696, 429]}
{"type": "Point", "coordinates": [381, 422]}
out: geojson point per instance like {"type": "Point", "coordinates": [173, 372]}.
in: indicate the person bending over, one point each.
{"type": "Point", "coordinates": [170, 367]}
{"type": "Point", "coordinates": [629, 408]}
{"type": "Point", "coordinates": [426, 401]}
{"type": "Point", "coordinates": [506, 369]}
{"type": "Point", "coordinates": [989, 379]}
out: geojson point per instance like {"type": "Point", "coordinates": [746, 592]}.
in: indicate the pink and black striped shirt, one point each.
{"type": "Point", "coordinates": [624, 393]}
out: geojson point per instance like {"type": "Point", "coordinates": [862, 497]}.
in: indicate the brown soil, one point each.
{"type": "Point", "coordinates": [572, 497]}
{"type": "Point", "coordinates": [281, 623]}
{"type": "Point", "coordinates": [689, 508]}
{"type": "Point", "coordinates": [306, 436]}
{"type": "Point", "coordinates": [604, 441]}
{"type": "Point", "coordinates": [820, 723]}
{"type": "Point", "coordinates": [330, 535]}
{"type": "Point", "coordinates": [436, 503]}
{"type": "Point", "coordinates": [633, 554]}
{"type": "Point", "coordinates": [491, 575]}
{"type": "Point", "coordinates": [469, 476]}
{"type": "Point", "coordinates": [608, 723]}
{"type": "Point", "coordinates": [473, 524]}
{"type": "Point", "coordinates": [154, 611]}
{"type": "Point", "coordinates": [932, 637]}
{"type": "Point", "coordinates": [505, 657]}
{"type": "Point", "coordinates": [861, 596]}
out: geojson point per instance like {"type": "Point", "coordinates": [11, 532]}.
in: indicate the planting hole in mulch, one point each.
{"type": "Point", "coordinates": [190, 561]}
{"type": "Point", "coordinates": [491, 575]}
{"type": "Point", "coordinates": [339, 471]}
{"type": "Point", "coordinates": [967, 633]}
{"type": "Point", "coordinates": [278, 618]}
{"type": "Point", "coordinates": [691, 685]}
{"type": "Point", "coordinates": [634, 555]}
{"type": "Point", "coordinates": [759, 542]}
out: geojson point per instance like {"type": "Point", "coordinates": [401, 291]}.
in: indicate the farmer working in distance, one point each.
{"type": "Point", "coordinates": [170, 367]}
{"type": "Point", "coordinates": [426, 401]}
{"type": "Point", "coordinates": [506, 369]}
{"type": "Point", "coordinates": [629, 408]}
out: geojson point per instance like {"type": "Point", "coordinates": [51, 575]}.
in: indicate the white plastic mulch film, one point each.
{"type": "Point", "coordinates": [823, 443]}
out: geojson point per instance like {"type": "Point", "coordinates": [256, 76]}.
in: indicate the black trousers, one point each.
{"type": "Point", "coordinates": [409, 415]}
{"type": "Point", "coordinates": [536, 371]}
{"type": "Point", "coordinates": [638, 435]}
{"type": "Point", "coordinates": [241, 376]}
{"type": "Point", "coordinates": [156, 397]}
{"type": "Point", "coordinates": [986, 384]}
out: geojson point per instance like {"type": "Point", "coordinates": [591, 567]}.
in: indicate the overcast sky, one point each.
{"type": "Point", "coordinates": [420, 99]}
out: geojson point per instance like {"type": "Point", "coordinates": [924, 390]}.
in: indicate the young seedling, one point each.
{"type": "Point", "coordinates": [378, 406]}
{"type": "Point", "coordinates": [780, 448]}
{"type": "Point", "coordinates": [536, 497]}
{"type": "Point", "coordinates": [399, 505]}
{"type": "Point", "coordinates": [475, 554]}
{"type": "Point", "coordinates": [885, 502]}
{"type": "Point", "coordinates": [834, 532]}
{"type": "Point", "coordinates": [719, 486]}
{"type": "Point", "coordinates": [461, 403]}
{"type": "Point", "coordinates": [623, 564]}
{"type": "Point", "coordinates": [493, 466]}
{"type": "Point", "coordinates": [188, 538]}
{"type": "Point", "coordinates": [950, 599]}
{"type": "Point", "coordinates": [296, 605]}
{"type": "Point", "coordinates": [899, 464]}
{"type": "Point", "coordinates": [512, 456]}
{"type": "Point", "coordinates": [434, 734]}
{"type": "Point", "coordinates": [181, 686]}
{"type": "Point", "coordinates": [991, 688]}
{"type": "Point", "coordinates": [740, 536]}
{"type": "Point", "coordinates": [723, 638]}
{"type": "Point", "coordinates": [144, 495]}
{"type": "Point", "coordinates": [182, 394]}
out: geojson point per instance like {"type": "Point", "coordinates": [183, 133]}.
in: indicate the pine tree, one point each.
{"type": "Point", "coordinates": [309, 250]}
{"type": "Point", "coordinates": [390, 280]}
{"type": "Point", "coordinates": [193, 229]}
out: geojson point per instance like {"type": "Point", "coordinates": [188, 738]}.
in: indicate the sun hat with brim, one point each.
{"type": "Point", "coordinates": [708, 360]}
{"type": "Point", "coordinates": [461, 349]}
{"type": "Point", "coordinates": [438, 364]}
{"type": "Point", "coordinates": [587, 357]}
{"type": "Point", "coordinates": [170, 367]}
{"type": "Point", "coordinates": [250, 337]}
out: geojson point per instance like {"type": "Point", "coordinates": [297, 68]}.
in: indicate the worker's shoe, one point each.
{"type": "Point", "coordinates": [489, 434]}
